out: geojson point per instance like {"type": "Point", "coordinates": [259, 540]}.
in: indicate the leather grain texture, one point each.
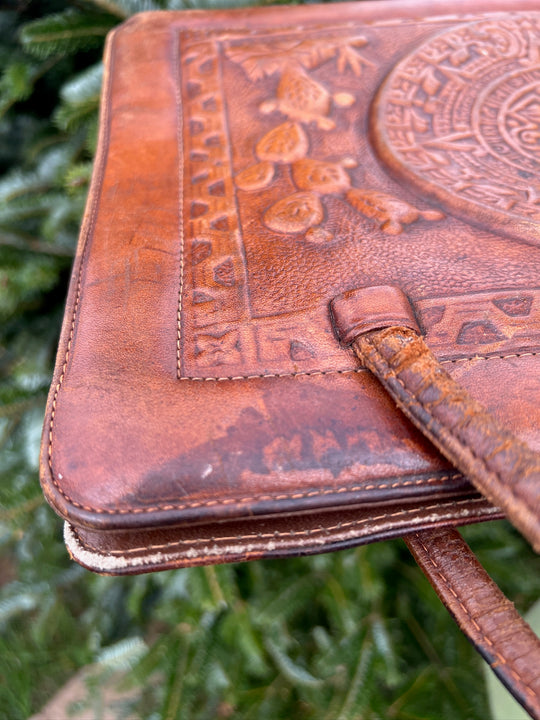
{"type": "Point", "coordinates": [480, 609]}
{"type": "Point", "coordinates": [252, 165]}
{"type": "Point", "coordinates": [501, 467]}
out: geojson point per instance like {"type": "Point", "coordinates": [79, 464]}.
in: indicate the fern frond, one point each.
{"type": "Point", "coordinates": [65, 33]}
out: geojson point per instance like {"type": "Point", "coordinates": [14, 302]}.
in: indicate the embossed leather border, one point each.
{"type": "Point", "coordinates": [214, 344]}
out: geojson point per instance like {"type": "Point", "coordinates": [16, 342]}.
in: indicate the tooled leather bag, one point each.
{"type": "Point", "coordinates": [285, 203]}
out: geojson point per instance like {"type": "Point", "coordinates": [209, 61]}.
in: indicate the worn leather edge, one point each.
{"type": "Point", "coordinates": [483, 613]}
{"type": "Point", "coordinates": [253, 540]}
{"type": "Point", "coordinates": [312, 498]}
{"type": "Point", "coordinates": [69, 326]}
{"type": "Point", "coordinates": [366, 12]}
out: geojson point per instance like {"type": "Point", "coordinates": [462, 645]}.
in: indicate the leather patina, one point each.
{"type": "Point", "coordinates": [253, 165]}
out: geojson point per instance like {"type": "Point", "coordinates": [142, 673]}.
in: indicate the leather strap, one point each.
{"type": "Point", "coordinates": [482, 612]}
{"type": "Point", "coordinates": [379, 324]}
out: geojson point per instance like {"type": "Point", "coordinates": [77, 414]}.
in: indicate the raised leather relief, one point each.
{"type": "Point", "coordinates": [459, 118]}
{"type": "Point", "coordinates": [286, 173]}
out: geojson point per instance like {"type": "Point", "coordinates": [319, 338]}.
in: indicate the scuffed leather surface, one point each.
{"type": "Point", "coordinates": [502, 468]}
{"type": "Point", "coordinates": [199, 377]}
{"type": "Point", "coordinates": [141, 551]}
{"type": "Point", "coordinates": [484, 614]}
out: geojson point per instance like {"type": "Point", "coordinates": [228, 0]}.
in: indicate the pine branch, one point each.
{"type": "Point", "coordinates": [65, 33]}
{"type": "Point", "coordinates": [294, 673]}
{"type": "Point", "coordinates": [24, 508]}
{"type": "Point", "coordinates": [125, 8]}
{"type": "Point", "coordinates": [72, 117]}
{"type": "Point", "coordinates": [18, 81]}
{"type": "Point", "coordinates": [111, 7]}
{"type": "Point", "coordinates": [77, 177]}
{"type": "Point", "coordinates": [51, 169]}
{"type": "Point", "coordinates": [349, 709]}
{"type": "Point", "coordinates": [83, 87]}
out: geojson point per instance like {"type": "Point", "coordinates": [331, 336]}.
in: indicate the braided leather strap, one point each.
{"type": "Point", "coordinates": [381, 328]}
{"type": "Point", "coordinates": [482, 612]}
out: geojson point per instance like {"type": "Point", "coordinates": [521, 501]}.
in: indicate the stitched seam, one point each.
{"type": "Point", "coordinates": [502, 660]}
{"type": "Point", "coordinates": [503, 486]}
{"type": "Point", "coordinates": [351, 370]}
{"type": "Point", "coordinates": [105, 122]}
{"type": "Point", "coordinates": [289, 533]}
{"type": "Point", "coordinates": [180, 143]}
{"type": "Point", "coordinates": [259, 498]}
{"type": "Point", "coordinates": [129, 511]}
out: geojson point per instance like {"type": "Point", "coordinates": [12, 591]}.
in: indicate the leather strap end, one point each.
{"type": "Point", "coordinates": [362, 310]}
{"type": "Point", "coordinates": [487, 618]}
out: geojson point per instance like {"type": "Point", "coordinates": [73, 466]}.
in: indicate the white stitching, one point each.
{"type": "Point", "coordinates": [259, 498]}
{"type": "Point", "coordinates": [289, 533]}
{"type": "Point", "coordinates": [180, 141]}
{"type": "Point", "coordinates": [351, 370]}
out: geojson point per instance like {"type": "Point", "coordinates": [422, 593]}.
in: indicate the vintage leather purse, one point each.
{"type": "Point", "coordinates": [286, 202]}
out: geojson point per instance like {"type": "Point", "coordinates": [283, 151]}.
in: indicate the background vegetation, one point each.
{"type": "Point", "coordinates": [356, 634]}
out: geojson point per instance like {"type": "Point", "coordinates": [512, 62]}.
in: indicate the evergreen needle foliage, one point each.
{"type": "Point", "coordinates": [356, 634]}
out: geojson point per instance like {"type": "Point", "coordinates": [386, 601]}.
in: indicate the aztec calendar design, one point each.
{"type": "Point", "coordinates": [459, 119]}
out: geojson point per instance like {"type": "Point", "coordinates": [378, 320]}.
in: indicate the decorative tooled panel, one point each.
{"type": "Point", "coordinates": [286, 202]}
{"type": "Point", "coordinates": [460, 119]}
